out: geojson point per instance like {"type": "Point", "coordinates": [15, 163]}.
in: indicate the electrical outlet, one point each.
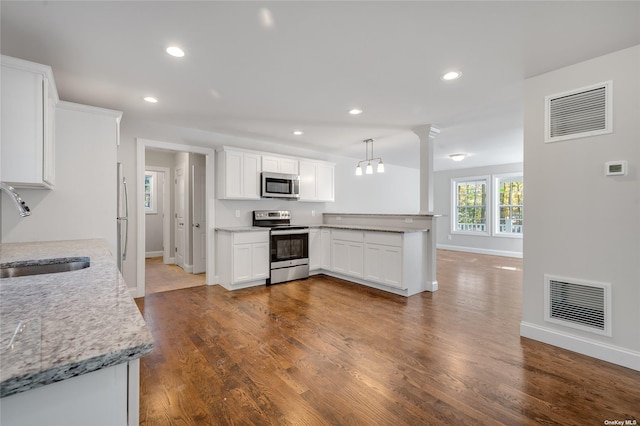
{"type": "Point", "coordinates": [449, 237]}
{"type": "Point", "coordinates": [237, 213]}
{"type": "Point", "coordinates": [313, 213]}
{"type": "Point", "coordinates": [408, 220]}
{"type": "Point", "coordinates": [338, 218]}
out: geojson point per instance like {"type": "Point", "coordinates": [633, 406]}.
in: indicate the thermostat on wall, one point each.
{"type": "Point", "coordinates": [615, 168]}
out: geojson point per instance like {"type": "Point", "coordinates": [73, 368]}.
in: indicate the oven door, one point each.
{"type": "Point", "coordinates": [289, 247]}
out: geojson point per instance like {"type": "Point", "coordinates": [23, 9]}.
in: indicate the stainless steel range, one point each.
{"type": "Point", "coordinates": [289, 245]}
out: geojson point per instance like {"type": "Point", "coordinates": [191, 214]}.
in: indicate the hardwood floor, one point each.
{"type": "Point", "coordinates": [160, 277]}
{"type": "Point", "coordinates": [324, 351]}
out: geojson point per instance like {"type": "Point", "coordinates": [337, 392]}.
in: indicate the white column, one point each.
{"type": "Point", "coordinates": [426, 134]}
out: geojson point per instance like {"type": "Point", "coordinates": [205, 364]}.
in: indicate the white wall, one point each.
{"type": "Point", "coordinates": [579, 223]}
{"type": "Point", "coordinates": [501, 246]}
{"type": "Point", "coordinates": [83, 202]}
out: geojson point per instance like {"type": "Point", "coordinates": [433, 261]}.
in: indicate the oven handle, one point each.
{"type": "Point", "coordinates": [290, 232]}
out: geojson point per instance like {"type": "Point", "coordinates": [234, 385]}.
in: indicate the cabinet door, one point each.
{"type": "Point", "coordinates": [373, 262]}
{"type": "Point", "coordinates": [308, 181]}
{"type": "Point", "coordinates": [270, 164]}
{"type": "Point", "coordinates": [233, 164]}
{"type": "Point", "coordinates": [355, 259]}
{"type": "Point", "coordinates": [242, 262]}
{"type": "Point", "coordinates": [339, 256]}
{"type": "Point", "coordinates": [325, 236]}
{"type": "Point", "coordinates": [315, 249]}
{"type": "Point", "coordinates": [392, 266]}
{"type": "Point", "coordinates": [251, 176]}
{"type": "Point", "coordinates": [260, 261]}
{"type": "Point", "coordinates": [324, 182]}
{"type": "Point", "coordinates": [289, 166]}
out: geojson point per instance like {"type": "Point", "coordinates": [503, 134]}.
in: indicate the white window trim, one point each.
{"type": "Point", "coordinates": [154, 192]}
{"type": "Point", "coordinates": [454, 207]}
{"type": "Point", "coordinates": [495, 220]}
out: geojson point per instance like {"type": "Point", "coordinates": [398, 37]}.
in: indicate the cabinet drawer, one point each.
{"type": "Point", "coordinates": [386, 238]}
{"type": "Point", "coordinates": [354, 236]}
{"type": "Point", "coordinates": [250, 237]}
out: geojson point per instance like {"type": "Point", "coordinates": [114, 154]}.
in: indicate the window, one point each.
{"type": "Point", "coordinates": [150, 194]}
{"type": "Point", "coordinates": [509, 203]}
{"type": "Point", "coordinates": [470, 205]}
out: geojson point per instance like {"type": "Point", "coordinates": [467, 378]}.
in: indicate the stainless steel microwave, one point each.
{"type": "Point", "coordinates": [280, 185]}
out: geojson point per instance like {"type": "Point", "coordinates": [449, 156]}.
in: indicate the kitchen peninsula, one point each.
{"type": "Point", "coordinates": [390, 252]}
{"type": "Point", "coordinates": [71, 341]}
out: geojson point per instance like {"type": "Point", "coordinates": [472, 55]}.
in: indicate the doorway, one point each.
{"type": "Point", "coordinates": [187, 235]}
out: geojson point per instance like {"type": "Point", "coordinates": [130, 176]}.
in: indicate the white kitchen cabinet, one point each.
{"type": "Point", "coordinates": [29, 98]}
{"type": "Point", "coordinates": [315, 249]}
{"type": "Point", "coordinates": [325, 238]}
{"type": "Point", "coordinates": [279, 165]}
{"type": "Point", "coordinates": [238, 175]}
{"type": "Point", "coordinates": [317, 181]}
{"type": "Point", "coordinates": [347, 253]}
{"type": "Point", "coordinates": [383, 258]}
{"type": "Point", "coordinates": [243, 258]}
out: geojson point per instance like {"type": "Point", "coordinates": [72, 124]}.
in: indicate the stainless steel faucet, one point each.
{"type": "Point", "coordinates": [23, 209]}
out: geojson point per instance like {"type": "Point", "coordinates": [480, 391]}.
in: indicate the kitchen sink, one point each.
{"type": "Point", "coordinates": [43, 266]}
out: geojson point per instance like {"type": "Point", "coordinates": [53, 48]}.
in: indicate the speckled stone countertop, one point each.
{"type": "Point", "coordinates": [242, 229]}
{"type": "Point", "coordinates": [57, 326]}
{"type": "Point", "coordinates": [375, 228]}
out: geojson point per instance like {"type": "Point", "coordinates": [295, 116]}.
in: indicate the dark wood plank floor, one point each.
{"type": "Point", "coordinates": [324, 351]}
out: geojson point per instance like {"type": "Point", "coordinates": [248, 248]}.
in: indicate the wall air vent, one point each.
{"type": "Point", "coordinates": [579, 113]}
{"type": "Point", "coordinates": [578, 304]}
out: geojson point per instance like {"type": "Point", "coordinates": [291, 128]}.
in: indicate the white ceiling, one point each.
{"type": "Point", "coordinates": [318, 60]}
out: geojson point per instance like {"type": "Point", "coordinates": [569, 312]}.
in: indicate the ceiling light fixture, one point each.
{"type": "Point", "coordinates": [368, 160]}
{"type": "Point", "coordinates": [298, 132]}
{"type": "Point", "coordinates": [452, 75]}
{"type": "Point", "coordinates": [457, 157]}
{"type": "Point", "coordinates": [151, 100]}
{"type": "Point", "coordinates": [355, 111]}
{"type": "Point", "coordinates": [175, 51]}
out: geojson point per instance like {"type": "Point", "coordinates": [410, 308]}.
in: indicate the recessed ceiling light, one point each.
{"type": "Point", "coordinates": [452, 75]}
{"type": "Point", "coordinates": [298, 132]}
{"type": "Point", "coordinates": [151, 100]}
{"type": "Point", "coordinates": [355, 111]}
{"type": "Point", "coordinates": [457, 157]}
{"type": "Point", "coordinates": [175, 51]}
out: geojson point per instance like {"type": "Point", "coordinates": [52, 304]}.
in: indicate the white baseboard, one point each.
{"type": "Point", "coordinates": [153, 254]}
{"type": "Point", "coordinates": [610, 353]}
{"type": "Point", "coordinates": [481, 251]}
{"type": "Point", "coordinates": [172, 261]}
{"type": "Point", "coordinates": [188, 268]}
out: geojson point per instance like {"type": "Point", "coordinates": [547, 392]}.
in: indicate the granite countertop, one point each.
{"type": "Point", "coordinates": [242, 229]}
{"type": "Point", "coordinates": [376, 228]}
{"type": "Point", "coordinates": [324, 225]}
{"type": "Point", "coordinates": [57, 326]}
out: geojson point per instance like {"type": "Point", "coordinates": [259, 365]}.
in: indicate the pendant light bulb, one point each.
{"type": "Point", "coordinates": [380, 167]}
{"type": "Point", "coordinates": [358, 170]}
{"type": "Point", "coordinates": [369, 169]}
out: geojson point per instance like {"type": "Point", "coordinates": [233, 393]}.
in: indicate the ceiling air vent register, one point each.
{"type": "Point", "coordinates": [578, 304]}
{"type": "Point", "coordinates": [579, 113]}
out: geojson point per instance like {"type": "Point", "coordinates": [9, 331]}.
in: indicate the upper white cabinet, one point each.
{"type": "Point", "coordinates": [238, 174]}
{"type": "Point", "coordinates": [317, 181]}
{"type": "Point", "coordinates": [29, 97]}
{"type": "Point", "coordinates": [279, 165]}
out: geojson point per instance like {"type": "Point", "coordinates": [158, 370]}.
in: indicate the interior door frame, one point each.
{"type": "Point", "coordinates": [209, 153]}
{"type": "Point", "coordinates": [166, 211]}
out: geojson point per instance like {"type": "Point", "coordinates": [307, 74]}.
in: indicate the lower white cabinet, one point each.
{"type": "Point", "coordinates": [383, 264]}
{"type": "Point", "coordinates": [243, 258]}
{"type": "Point", "coordinates": [315, 249]}
{"type": "Point", "coordinates": [109, 397]}
{"type": "Point", "coordinates": [347, 253]}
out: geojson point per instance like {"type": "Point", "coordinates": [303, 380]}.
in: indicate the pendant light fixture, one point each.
{"type": "Point", "coordinates": [368, 160]}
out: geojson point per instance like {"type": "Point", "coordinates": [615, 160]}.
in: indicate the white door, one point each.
{"type": "Point", "coordinates": [198, 224]}
{"type": "Point", "coordinates": [180, 217]}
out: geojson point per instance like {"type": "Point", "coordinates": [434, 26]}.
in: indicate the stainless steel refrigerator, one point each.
{"type": "Point", "coordinates": [122, 218]}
